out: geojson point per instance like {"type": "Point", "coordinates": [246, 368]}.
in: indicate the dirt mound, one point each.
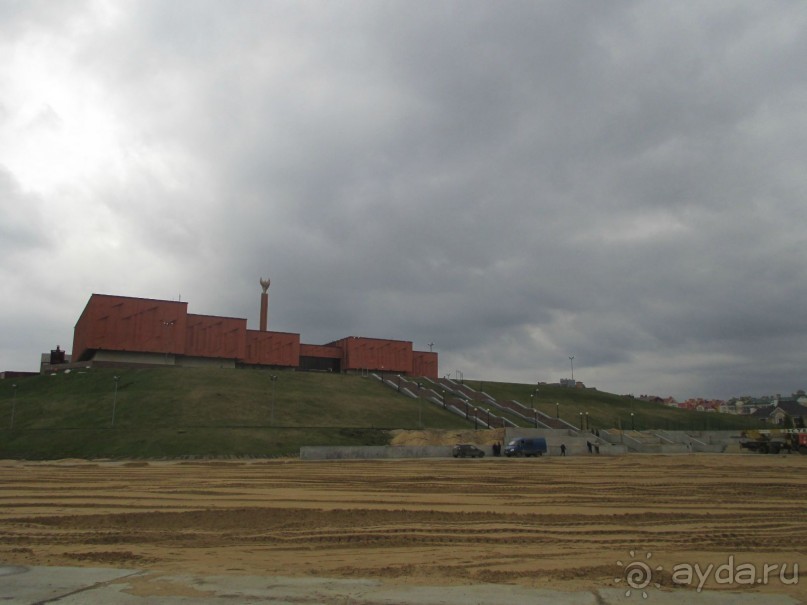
{"type": "Point", "coordinates": [446, 437]}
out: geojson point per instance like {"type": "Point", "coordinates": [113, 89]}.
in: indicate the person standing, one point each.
{"type": "Point", "coordinates": [562, 449]}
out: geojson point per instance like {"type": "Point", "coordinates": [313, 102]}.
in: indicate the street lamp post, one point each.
{"type": "Point", "coordinates": [532, 401]}
{"type": "Point", "coordinates": [588, 424]}
{"type": "Point", "coordinates": [167, 325]}
{"type": "Point", "coordinates": [13, 405]}
{"type": "Point", "coordinates": [557, 410]}
{"type": "Point", "coordinates": [581, 421]}
{"type": "Point", "coordinates": [632, 423]}
{"type": "Point", "coordinates": [114, 400]}
{"type": "Point", "coordinates": [535, 418]}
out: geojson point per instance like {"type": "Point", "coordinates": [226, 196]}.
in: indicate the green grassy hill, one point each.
{"type": "Point", "coordinates": [175, 412]}
{"type": "Point", "coordinates": [603, 410]}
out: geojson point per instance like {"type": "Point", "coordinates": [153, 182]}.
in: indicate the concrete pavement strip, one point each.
{"type": "Point", "coordinates": [21, 584]}
{"type": "Point", "coordinates": [96, 586]}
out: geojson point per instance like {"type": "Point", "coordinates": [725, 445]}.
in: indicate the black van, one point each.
{"type": "Point", "coordinates": [526, 447]}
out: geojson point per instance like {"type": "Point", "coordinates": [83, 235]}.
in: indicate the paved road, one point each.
{"type": "Point", "coordinates": [96, 586]}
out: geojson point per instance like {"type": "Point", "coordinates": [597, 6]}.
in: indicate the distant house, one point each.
{"type": "Point", "coordinates": [702, 405]}
{"type": "Point", "coordinates": [660, 400]}
{"type": "Point", "coordinates": [777, 414]}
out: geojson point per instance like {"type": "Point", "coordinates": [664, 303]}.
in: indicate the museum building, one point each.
{"type": "Point", "coordinates": [127, 331]}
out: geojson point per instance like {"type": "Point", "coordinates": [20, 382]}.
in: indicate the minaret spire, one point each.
{"type": "Point", "coordinates": [264, 304]}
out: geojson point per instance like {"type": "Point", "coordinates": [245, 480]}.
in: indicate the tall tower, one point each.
{"type": "Point", "coordinates": [264, 304]}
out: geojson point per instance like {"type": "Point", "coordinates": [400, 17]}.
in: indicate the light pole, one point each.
{"type": "Point", "coordinates": [588, 424]}
{"type": "Point", "coordinates": [167, 325]}
{"type": "Point", "coordinates": [273, 378]}
{"type": "Point", "coordinates": [532, 401]}
{"type": "Point", "coordinates": [114, 400]}
{"type": "Point", "coordinates": [571, 360]}
{"type": "Point", "coordinates": [581, 421]}
{"type": "Point", "coordinates": [13, 405]}
{"type": "Point", "coordinates": [632, 423]}
{"type": "Point", "coordinates": [557, 410]}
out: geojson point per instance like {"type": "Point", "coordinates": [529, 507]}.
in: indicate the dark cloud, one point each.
{"type": "Point", "coordinates": [619, 181]}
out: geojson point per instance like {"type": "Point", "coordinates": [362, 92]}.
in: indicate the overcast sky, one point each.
{"type": "Point", "coordinates": [515, 182]}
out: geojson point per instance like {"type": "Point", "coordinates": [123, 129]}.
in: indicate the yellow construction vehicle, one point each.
{"type": "Point", "coordinates": [773, 441]}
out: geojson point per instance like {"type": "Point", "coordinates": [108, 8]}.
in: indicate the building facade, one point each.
{"type": "Point", "coordinates": [121, 330]}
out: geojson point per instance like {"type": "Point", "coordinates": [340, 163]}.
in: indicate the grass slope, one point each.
{"type": "Point", "coordinates": [604, 410]}
{"type": "Point", "coordinates": [170, 412]}
{"type": "Point", "coordinates": [175, 412]}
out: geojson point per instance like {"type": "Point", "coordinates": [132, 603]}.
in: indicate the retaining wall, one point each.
{"type": "Point", "coordinates": [669, 442]}
{"type": "Point", "coordinates": [369, 452]}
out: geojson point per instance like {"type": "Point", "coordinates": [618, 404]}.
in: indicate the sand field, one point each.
{"type": "Point", "coordinates": [572, 523]}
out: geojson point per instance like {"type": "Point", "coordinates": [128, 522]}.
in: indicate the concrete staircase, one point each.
{"type": "Point", "coordinates": [481, 411]}
{"type": "Point", "coordinates": [473, 405]}
{"type": "Point", "coordinates": [703, 441]}
{"type": "Point", "coordinates": [484, 411]}
{"type": "Point", "coordinates": [672, 442]}
{"type": "Point", "coordinates": [531, 416]}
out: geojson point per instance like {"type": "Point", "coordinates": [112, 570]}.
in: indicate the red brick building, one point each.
{"type": "Point", "coordinates": [120, 330]}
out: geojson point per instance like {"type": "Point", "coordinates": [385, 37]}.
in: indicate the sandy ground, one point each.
{"type": "Point", "coordinates": [575, 523]}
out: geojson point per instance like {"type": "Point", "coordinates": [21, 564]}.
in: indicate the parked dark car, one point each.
{"type": "Point", "coordinates": [465, 450]}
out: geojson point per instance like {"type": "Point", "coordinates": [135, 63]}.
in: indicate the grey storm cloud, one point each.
{"type": "Point", "coordinates": [514, 182]}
